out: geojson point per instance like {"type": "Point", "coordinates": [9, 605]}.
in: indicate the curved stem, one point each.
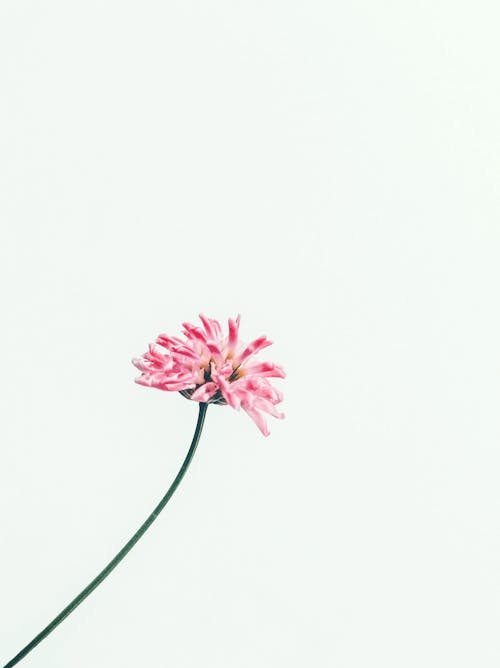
{"type": "Point", "coordinates": [121, 554]}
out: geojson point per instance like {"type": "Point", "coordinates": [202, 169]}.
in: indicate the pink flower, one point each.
{"type": "Point", "coordinates": [213, 368]}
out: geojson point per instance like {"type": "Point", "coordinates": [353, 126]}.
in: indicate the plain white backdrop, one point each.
{"type": "Point", "coordinates": [330, 171]}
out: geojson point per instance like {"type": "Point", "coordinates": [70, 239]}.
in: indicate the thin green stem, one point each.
{"type": "Point", "coordinates": [125, 549]}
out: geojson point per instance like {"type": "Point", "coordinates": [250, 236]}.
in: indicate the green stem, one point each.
{"type": "Point", "coordinates": [125, 549]}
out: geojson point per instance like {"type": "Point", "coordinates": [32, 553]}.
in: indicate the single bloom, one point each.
{"type": "Point", "coordinates": [211, 367]}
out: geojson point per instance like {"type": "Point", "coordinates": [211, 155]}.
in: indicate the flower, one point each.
{"type": "Point", "coordinates": [210, 367]}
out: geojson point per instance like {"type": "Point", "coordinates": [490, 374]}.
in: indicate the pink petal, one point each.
{"type": "Point", "coordinates": [268, 407]}
{"type": "Point", "coordinates": [168, 341]}
{"type": "Point", "coordinates": [193, 332]}
{"type": "Point", "coordinates": [216, 352]}
{"type": "Point", "coordinates": [262, 369]}
{"type": "Point", "coordinates": [259, 420]}
{"type": "Point", "coordinates": [205, 392]}
{"type": "Point", "coordinates": [185, 351]}
{"type": "Point", "coordinates": [252, 348]}
{"type": "Point", "coordinates": [212, 327]}
{"type": "Point", "coordinates": [227, 390]}
{"type": "Point", "coordinates": [207, 325]}
{"type": "Point", "coordinates": [140, 363]}
{"type": "Point", "coordinates": [232, 340]}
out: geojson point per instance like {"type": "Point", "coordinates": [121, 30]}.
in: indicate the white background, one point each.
{"type": "Point", "coordinates": [330, 170]}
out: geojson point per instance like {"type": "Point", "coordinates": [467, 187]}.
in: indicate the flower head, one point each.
{"type": "Point", "coordinates": [211, 367]}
